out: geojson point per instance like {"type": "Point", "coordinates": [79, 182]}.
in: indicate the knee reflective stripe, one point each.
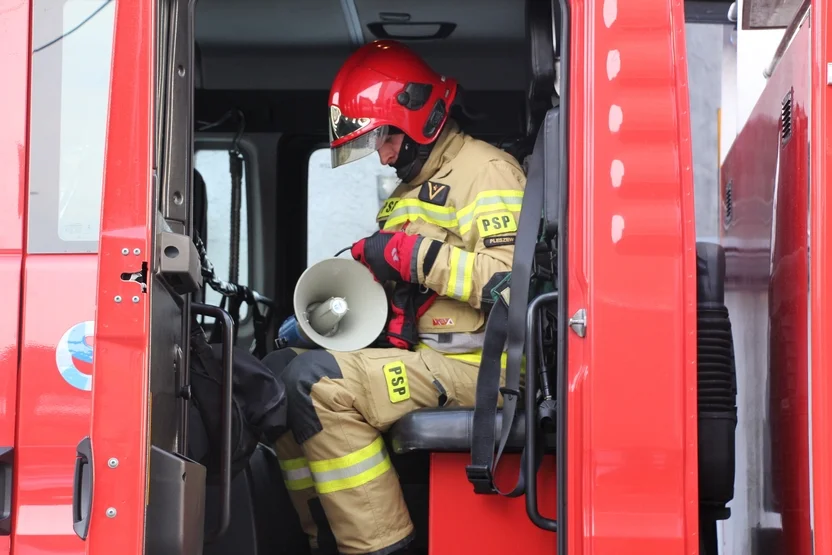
{"type": "Point", "coordinates": [351, 471]}
{"type": "Point", "coordinates": [296, 474]}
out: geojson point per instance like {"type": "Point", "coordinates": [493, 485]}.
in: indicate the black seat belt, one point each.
{"type": "Point", "coordinates": [507, 325]}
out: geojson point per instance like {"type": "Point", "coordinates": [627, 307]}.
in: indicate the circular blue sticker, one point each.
{"type": "Point", "coordinates": [72, 347]}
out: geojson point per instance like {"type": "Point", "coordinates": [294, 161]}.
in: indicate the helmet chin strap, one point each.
{"type": "Point", "coordinates": [412, 157]}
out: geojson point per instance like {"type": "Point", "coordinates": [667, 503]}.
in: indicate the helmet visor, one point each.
{"type": "Point", "coordinates": [359, 147]}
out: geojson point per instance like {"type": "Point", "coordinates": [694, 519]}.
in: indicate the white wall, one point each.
{"type": "Point", "coordinates": [745, 56]}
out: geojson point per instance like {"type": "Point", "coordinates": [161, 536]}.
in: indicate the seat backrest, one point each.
{"type": "Point", "coordinates": [544, 164]}
{"type": "Point", "coordinates": [540, 76]}
{"type": "Point", "coordinates": [541, 67]}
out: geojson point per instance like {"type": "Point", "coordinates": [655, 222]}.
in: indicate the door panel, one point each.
{"type": "Point", "coordinates": [148, 270]}
{"type": "Point", "coordinates": [120, 423]}
{"type": "Point", "coordinates": [63, 173]}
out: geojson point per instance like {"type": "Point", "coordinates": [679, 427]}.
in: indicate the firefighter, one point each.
{"type": "Point", "coordinates": [445, 244]}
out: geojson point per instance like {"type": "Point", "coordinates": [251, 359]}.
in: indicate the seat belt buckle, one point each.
{"type": "Point", "coordinates": [480, 477]}
{"type": "Point", "coordinates": [543, 263]}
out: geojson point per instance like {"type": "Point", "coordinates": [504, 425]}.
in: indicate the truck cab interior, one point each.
{"type": "Point", "coordinates": [261, 82]}
{"type": "Point", "coordinates": [262, 72]}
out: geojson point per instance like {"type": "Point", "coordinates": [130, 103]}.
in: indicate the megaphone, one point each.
{"type": "Point", "coordinates": [338, 306]}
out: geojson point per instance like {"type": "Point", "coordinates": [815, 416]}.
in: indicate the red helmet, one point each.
{"type": "Point", "coordinates": [385, 85]}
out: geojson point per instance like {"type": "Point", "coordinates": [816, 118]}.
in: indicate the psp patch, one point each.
{"type": "Point", "coordinates": [499, 241]}
{"type": "Point", "coordinates": [434, 193]}
{"type": "Point", "coordinates": [496, 224]}
{"type": "Point", "coordinates": [387, 208]}
{"type": "Point", "coordinates": [396, 376]}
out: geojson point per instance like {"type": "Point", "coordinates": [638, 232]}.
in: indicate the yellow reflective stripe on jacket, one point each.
{"type": "Point", "coordinates": [353, 470]}
{"type": "Point", "coordinates": [414, 209]}
{"type": "Point", "coordinates": [489, 201]}
{"type": "Point", "coordinates": [296, 474]}
{"type": "Point", "coordinates": [462, 270]}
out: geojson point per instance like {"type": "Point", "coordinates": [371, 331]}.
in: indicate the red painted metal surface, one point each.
{"type": "Point", "coordinates": [53, 415]}
{"type": "Point", "coordinates": [789, 398]}
{"type": "Point", "coordinates": [120, 419]}
{"type": "Point", "coordinates": [492, 524]}
{"type": "Point", "coordinates": [766, 240]}
{"type": "Point", "coordinates": [820, 290]}
{"type": "Point", "coordinates": [14, 66]}
{"type": "Point", "coordinates": [632, 451]}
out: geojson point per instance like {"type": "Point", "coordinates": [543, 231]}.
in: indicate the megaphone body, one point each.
{"type": "Point", "coordinates": [338, 305]}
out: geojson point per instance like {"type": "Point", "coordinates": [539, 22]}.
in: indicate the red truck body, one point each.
{"type": "Point", "coordinates": [631, 412]}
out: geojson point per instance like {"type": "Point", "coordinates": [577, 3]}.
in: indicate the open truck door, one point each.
{"type": "Point", "coordinates": [134, 490]}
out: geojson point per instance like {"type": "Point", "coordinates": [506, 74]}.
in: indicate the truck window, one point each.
{"type": "Point", "coordinates": [214, 167]}
{"type": "Point", "coordinates": [343, 202]}
{"type": "Point", "coordinates": [72, 50]}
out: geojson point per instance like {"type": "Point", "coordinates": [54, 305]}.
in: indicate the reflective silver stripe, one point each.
{"type": "Point", "coordinates": [462, 265]}
{"type": "Point", "coordinates": [297, 474]}
{"type": "Point", "coordinates": [352, 470]}
{"type": "Point", "coordinates": [459, 286]}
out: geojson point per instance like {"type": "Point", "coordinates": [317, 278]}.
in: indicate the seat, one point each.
{"type": "Point", "coordinates": [448, 430]}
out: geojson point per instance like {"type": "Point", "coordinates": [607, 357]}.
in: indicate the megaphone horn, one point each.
{"type": "Point", "coordinates": [338, 305]}
{"type": "Point", "coordinates": [324, 317]}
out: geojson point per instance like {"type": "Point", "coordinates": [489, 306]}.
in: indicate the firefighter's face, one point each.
{"type": "Point", "coordinates": [389, 151]}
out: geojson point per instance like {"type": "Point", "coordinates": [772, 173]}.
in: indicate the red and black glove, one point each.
{"type": "Point", "coordinates": [408, 302]}
{"type": "Point", "coordinates": [390, 256]}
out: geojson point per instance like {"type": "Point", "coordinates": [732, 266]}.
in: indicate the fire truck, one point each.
{"type": "Point", "coordinates": [676, 396]}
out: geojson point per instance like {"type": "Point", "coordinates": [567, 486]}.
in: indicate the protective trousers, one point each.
{"type": "Point", "coordinates": [334, 461]}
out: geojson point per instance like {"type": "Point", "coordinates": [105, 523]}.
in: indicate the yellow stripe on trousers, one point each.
{"type": "Point", "coordinates": [351, 471]}
{"type": "Point", "coordinates": [475, 357]}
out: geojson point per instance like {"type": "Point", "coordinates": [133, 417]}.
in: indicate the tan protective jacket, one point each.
{"type": "Point", "coordinates": [468, 196]}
